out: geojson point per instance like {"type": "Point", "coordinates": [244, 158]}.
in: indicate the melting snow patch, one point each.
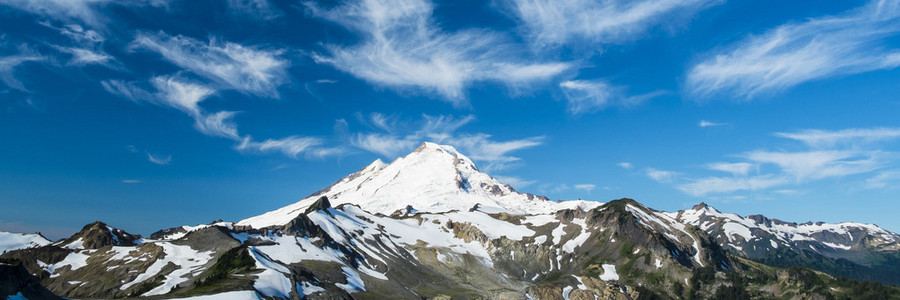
{"type": "Point", "coordinates": [836, 246]}
{"type": "Point", "coordinates": [558, 232]}
{"type": "Point", "coordinates": [609, 273]}
{"type": "Point", "coordinates": [540, 239]}
{"type": "Point", "coordinates": [566, 291]}
{"type": "Point", "coordinates": [189, 262]}
{"type": "Point", "coordinates": [308, 289]}
{"type": "Point", "coordinates": [236, 295]}
{"type": "Point", "coordinates": [354, 282]}
{"type": "Point", "coordinates": [732, 229]}
{"type": "Point", "coordinates": [658, 263]}
{"type": "Point", "coordinates": [578, 240]}
{"type": "Point", "coordinates": [774, 244]}
{"type": "Point", "coordinates": [77, 244]}
{"type": "Point", "coordinates": [272, 282]}
{"type": "Point", "coordinates": [581, 285]}
{"type": "Point", "coordinates": [75, 260]}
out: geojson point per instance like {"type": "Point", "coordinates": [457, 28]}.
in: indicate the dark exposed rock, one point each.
{"type": "Point", "coordinates": [320, 204]}
{"type": "Point", "coordinates": [16, 280]}
{"type": "Point", "coordinates": [97, 235]}
{"type": "Point", "coordinates": [161, 234]}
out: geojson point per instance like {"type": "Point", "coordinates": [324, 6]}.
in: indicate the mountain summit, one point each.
{"type": "Point", "coordinates": [433, 178]}
{"type": "Point", "coordinates": [430, 225]}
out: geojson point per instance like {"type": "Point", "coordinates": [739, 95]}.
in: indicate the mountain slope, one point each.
{"type": "Point", "coordinates": [854, 250]}
{"type": "Point", "coordinates": [430, 225]}
{"type": "Point", "coordinates": [15, 241]}
{"type": "Point", "coordinates": [433, 178]}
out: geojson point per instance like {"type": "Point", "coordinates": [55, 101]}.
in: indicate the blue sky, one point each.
{"type": "Point", "coordinates": [149, 114]}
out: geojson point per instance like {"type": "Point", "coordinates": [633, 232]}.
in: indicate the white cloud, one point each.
{"type": "Point", "coordinates": [217, 124]}
{"type": "Point", "coordinates": [400, 138]}
{"type": "Point", "coordinates": [233, 66]}
{"type": "Point", "coordinates": [130, 181]}
{"type": "Point", "coordinates": [587, 96]}
{"type": "Point", "coordinates": [82, 56]}
{"type": "Point", "coordinates": [820, 164]}
{"type": "Point", "coordinates": [794, 53]}
{"type": "Point", "coordinates": [176, 93]}
{"type": "Point", "coordinates": [886, 179]}
{"type": "Point", "coordinates": [181, 95]}
{"type": "Point", "coordinates": [554, 22]}
{"type": "Point", "coordinates": [737, 169]}
{"type": "Point", "coordinates": [586, 187]}
{"type": "Point", "coordinates": [291, 146]}
{"type": "Point", "coordinates": [260, 9]}
{"type": "Point", "coordinates": [9, 63]}
{"type": "Point", "coordinates": [661, 175]}
{"type": "Point", "coordinates": [88, 49]}
{"type": "Point", "coordinates": [831, 154]}
{"type": "Point", "coordinates": [401, 47]}
{"type": "Point", "coordinates": [65, 10]}
{"type": "Point", "coordinates": [625, 165]}
{"type": "Point", "coordinates": [716, 185]}
{"type": "Point", "coordinates": [515, 182]}
{"type": "Point", "coordinates": [787, 192]}
{"type": "Point", "coordinates": [824, 138]}
{"type": "Point", "coordinates": [385, 144]}
{"type": "Point", "coordinates": [705, 123]}
{"type": "Point", "coordinates": [159, 160]}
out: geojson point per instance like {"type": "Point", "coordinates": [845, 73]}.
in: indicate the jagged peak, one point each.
{"type": "Point", "coordinates": [320, 204]}
{"type": "Point", "coordinates": [98, 234]}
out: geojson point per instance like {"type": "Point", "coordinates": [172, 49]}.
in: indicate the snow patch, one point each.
{"type": "Point", "coordinates": [609, 273]}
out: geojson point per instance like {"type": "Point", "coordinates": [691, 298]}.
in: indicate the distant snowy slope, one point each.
{"type": "Point", "coordinates": [433, 178]}
{"type": "Point", "coordinates": [14, 241]}
{"type": "Point", "coordinates": [762, 233]}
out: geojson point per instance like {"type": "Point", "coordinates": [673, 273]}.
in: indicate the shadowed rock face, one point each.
{"type": "Point", "coordinates": [15, 279]}
{"type": "Point", "coordinates": [97, 235]}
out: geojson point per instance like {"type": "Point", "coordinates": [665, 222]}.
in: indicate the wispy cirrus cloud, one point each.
{"type": "Point", "coordinates": [824, 138]}
{"type": "Point", "coordinates": [587, 96]}
{"type": "Point", "coordinates": [159, 159]}
{"type": "Point", "coordinates": [794, 53]}
{"type": "Point", "coordinates": [831, 154]}
{"type": "Point", "coordinates": [550, 23]}
{"type": "Point", "coordinates": [249, 70]}
{"type": "Point", "coordinates": [87, 48]}
{"type": "Point", "coordinates": [625, 165]}
{"type": "Point", "coordinates": [65, 10]}
{"type": "Point", "coordinates": [8, 65]}
{"type": "Point", "coordinates": [401, 46]}
{"type": "Point", "coordinates": [260, 9]}
{"type": "Point", "coordinates": [740, 168]}
{"type": "Point", "coordinates": [720, 185]}
{"type": "Point", "coordinates": [403, 136]}
{"type": "Point", "coordinates": [177, 93]}
{"type": "Point", "coordinates": [291, 146]}
{"type": "Point", "coordinates": [661, 176]}
{"type": "Point", "coordinates": [587, 187]}
{"type": "Point", "coordinates": [705, 123]}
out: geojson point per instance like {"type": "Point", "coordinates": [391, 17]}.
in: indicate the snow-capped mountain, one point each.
{"type": "Point", "coordinates": [737, 231]}
{"type": "Point", "coordinates": [857, 250]}
{"type": "Point", "coordinates": [433, 178]}
{"type": "Point", "coordinates": [430, 225]}
{"type": "Point", "coordinates": [15, 241]}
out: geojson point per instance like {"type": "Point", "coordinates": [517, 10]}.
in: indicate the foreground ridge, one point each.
{"type": "Point", "coordinates": [431, 225]}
